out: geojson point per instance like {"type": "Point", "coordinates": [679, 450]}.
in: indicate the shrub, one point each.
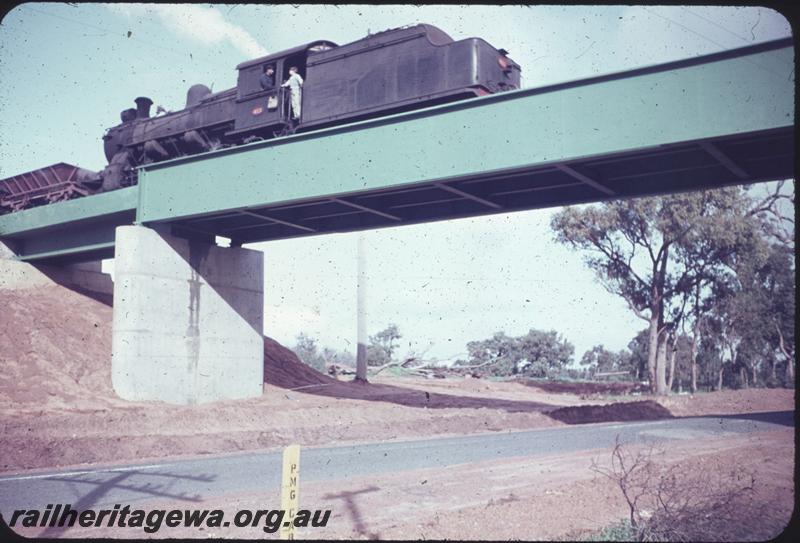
{"type": "Point", "coordinates": [621, 531]}
{"type": "Point", "coordinates": [666, 504]}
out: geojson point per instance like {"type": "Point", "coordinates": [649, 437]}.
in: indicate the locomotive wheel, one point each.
{"type": "Point", "coordinates": [287, 130]}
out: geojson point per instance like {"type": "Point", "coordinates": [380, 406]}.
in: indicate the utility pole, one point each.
{"type": "Point", "coordinates": [361, 310]}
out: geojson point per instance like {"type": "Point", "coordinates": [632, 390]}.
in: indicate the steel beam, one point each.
{"type": "Point", "coordinates": [725, 160]}
{"type": "Point", "coordinates": [365, 208]}
{"type": "Point", "coordinates": [16, 224]}
{"type": "Point", "coordinates": [74, 230]}
{"type": "Point", "coordinates": [695, 100]}
{"type": "Point", "coordinates": [572, 172]}
{"type": "Point", "coordinates": [274, 220]}
{"type": "Point", "coordinates": [468, 196]}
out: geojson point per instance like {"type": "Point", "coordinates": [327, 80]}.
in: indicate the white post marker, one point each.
{"type": "Point", "coordinates": [361, 310]}
{"type": "Point", "coordinates": [290, 488]}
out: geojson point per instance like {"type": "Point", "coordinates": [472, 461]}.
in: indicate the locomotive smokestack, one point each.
{"type": "Point", "coordinates": [143, 107]}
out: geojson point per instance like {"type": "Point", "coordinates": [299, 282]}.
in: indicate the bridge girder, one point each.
{"type": "Point", "coordinates": [705, 122]}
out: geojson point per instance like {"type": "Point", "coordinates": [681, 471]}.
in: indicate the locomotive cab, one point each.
{"type": "Point", "coordinates": [261, 111]}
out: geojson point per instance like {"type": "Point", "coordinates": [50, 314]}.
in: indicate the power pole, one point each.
{"type": "Point", "coordinates": [361, 310]}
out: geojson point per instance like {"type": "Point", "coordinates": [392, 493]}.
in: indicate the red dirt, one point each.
{"type": "Point", "coordinates": [57, 407]}
{"type": "Point", "coordinates": [583, 414]}
{"type": "Point", "coordinates": [283, 369]}
{"type": "Point", "coordinates": [55, 347]}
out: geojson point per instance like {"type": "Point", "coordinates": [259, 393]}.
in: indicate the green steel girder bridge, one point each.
{"type": "Point", "coordinates": [710, 121]}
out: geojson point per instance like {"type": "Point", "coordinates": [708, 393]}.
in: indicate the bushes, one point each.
{"type": "Point", "coordinates": [666, 504]}
{"type": "Point", "coordinates": [621, 531]}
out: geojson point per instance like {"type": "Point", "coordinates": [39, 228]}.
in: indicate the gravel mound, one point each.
{"type": "Point", "coordinates": [623, 411]}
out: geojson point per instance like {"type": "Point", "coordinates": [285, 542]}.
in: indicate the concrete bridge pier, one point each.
{"type": "Point", "coordinates": [188, 319]}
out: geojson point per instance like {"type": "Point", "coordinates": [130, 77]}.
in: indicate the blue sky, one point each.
{"type": "Point", "coordinates": [67, 70]}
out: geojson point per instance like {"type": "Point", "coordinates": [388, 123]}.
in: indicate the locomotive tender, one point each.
{"type": "Point", "coordinates": [388, 72]}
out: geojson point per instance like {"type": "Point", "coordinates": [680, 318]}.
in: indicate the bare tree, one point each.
{"type": "Point", "coordinates": [776, 212]}
{"type": "Point", "coordinates": [667, 504]}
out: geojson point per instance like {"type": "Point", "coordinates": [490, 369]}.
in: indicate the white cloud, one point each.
{"type": "Point", "coordinates": [205, 25]}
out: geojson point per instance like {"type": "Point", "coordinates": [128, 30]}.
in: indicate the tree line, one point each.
{"type": "Point", "coordinates": [711, 274]}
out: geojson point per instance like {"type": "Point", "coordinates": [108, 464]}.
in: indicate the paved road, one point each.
{"type": "Point", "coordinates": [200, 478]}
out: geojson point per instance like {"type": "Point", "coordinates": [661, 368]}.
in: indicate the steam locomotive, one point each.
{"type": "Point", "coordinates": [389, 72]}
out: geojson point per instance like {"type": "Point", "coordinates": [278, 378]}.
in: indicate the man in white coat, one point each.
{"type": "Point", "coordinates": [295, 84]}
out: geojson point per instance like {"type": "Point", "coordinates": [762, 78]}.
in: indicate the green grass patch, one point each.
{"type": "Point", "coordinates": [620, 531]}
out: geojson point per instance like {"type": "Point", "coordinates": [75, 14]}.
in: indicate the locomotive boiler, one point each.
{"type": "Point", "coordinates": [385, 73]}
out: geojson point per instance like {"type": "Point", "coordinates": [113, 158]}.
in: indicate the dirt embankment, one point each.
{"type": "Point", "coordinates": [57, 406]}
{"type": "Point", "coordinates": [56, 347]}
{"type": "Point", "coordinates": [623, 411]}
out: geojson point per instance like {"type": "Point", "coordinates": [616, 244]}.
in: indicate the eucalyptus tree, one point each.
{"type": "Point", "coordinates": [538, 353]}
{"type": "Point", "coordinates": [661, 255]}
{"type": "Point", "coordinates": [763, 305]}
{"type": "Point", "coordinates": [598, 359]}
{"type": "Point", "coordinates": [382, 346]}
